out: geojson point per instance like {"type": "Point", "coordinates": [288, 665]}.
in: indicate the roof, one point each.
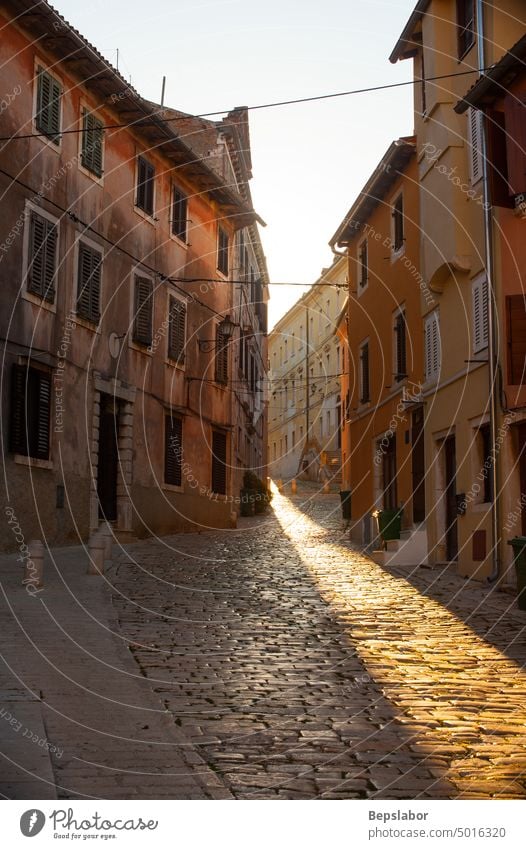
{"type": "Point", "coordinates": [385, 174]}
{"type": "Point", "coordinates": [496, 81]}
{"type": "Point", "coordinates": [54, 34]}
{"type": "Point", "coordinates": [409, 42]}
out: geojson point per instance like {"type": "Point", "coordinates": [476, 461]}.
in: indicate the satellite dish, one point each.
{"type": "Point", "coordinates": [114, 344]}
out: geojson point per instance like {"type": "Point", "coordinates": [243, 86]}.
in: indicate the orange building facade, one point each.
{"type": "Point", "coordinates": [382, 438]}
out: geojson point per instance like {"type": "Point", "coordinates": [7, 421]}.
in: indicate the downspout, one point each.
{"type": "Point", "coordinates": [492, 324]}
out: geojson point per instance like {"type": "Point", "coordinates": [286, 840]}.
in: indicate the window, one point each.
{"type": "Point", "coordinates": [143, 311]}
{"type": "Point", "coordinates": [42, 257]}
{"type": "Point", "coordinates": [400, 345]}
{"type": "Point", "coordinates": [364, 373]}
{"type": "Point", "coordinates": [480, 314]}
{"type": "Point", "coordinates": [465, 26]}
{"type": "Point", "coordinates": [30, 407]}
{"type": "Point", "coordinates": [221, 357]}
{"type": "Point", "coordinates": [89, 283]}
{"type": "Point", "coordinates": [398, 223]}
{"type": "Point", "coordinates": [516, 326]}
{"type": "Point", "coordinates": [293, 438]}
{"type": "Point", "coordinates": [176, 329]}
{"type": "Point", "coordinates": [423, 84]}
{"type": "Point", "coordinates": [48, 105]}
{"type": "Point", "coordinates": [485, 448]}
{"type": "Point", "coordinates": [432, 346]}
{"type": "Point", "coordinates": [173, 450]}
{"type": "Point", "coordinates": [222, 251]}
{"type": "Point", "coordinates": [92, 136]}
{"type": "Point", "coordinates": [475, 144]}
{"type": "Point", "coordinates": [145, 185]}
{"type": "Point", "coordinates": [179, 214]}
{"type": "Point", "coordinates": [363, 261]}
{"type": "Point", "coordinates": [219, 462]}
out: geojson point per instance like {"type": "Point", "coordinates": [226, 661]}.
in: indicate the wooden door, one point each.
{"type": "Point", "coordinates": [108, 459]}
{"type": "Point", "coordinates": [451, 499]}
{"type": "Point", "coordinates": [418, 465]}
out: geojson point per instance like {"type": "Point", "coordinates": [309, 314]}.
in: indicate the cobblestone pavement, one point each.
{"type": "Point", "coordinates": [68, 682]}
{"type": "Point", "coordinates": [300, 669]}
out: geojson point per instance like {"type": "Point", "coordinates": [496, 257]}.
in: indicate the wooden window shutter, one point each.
{"type": "Point", "coordinates": [515, 112]}
{"type": "Point", "coordinates": [145, 185]}
{"type": "Point", "coordinates": [480, 314]}
{"type": "Point", "coordinates": [89, 283]}
{"type": "Point", "coordinates": [398, 223]}
{"type": "Point", "coordinates": [432, 346]}
{"type": "Point", "coordinates": [42, 257]}
{"type": "Point", "coordinates": [475, 144]}
{"type": "Point", "coordinates": [30, 411]}
{"type": "Point", "coordinates": [143, 311]}
{"type": "Point", "coordinates": [92, 137]}
{"type": "Point", "coordinates": [173, 450]}
{"type": "Point", "coordinates": [179, 214]}
{"type": "Point", "coordinates": [176, 330]}
{"type": "Point", "coordinates": [222, 251]}
{"type": "Point", "coordinates": [17, 436]}
{"type": "Point", "coordinates": [221, 362]}
{"type": "Point", "coordinates": [364, 362]}
{"type": "Point", "coordinates": [364, 263]}
{"type": "Point", "coordinates": [48, 105]}
{"type": "Point", "coordinates": [42, 417]}
{"type": "Point", "coordinates": [498, 159]}
{"type": "Point", "coordinates": [219, 462]}
{"type": "Point", "coordinates": [401, 347]}
{"type": "Point", "coordinates": [516, 321]}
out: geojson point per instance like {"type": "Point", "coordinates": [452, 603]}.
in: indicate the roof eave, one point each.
{"type": "Point", "coordinates": [405, 47]}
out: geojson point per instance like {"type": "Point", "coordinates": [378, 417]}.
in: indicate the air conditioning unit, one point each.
{"type": "Point", "coordinates": [410, 398]}
{"type": "Point", "coordinates": [520, 206]}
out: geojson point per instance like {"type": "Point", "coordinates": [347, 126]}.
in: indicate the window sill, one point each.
{"type": "Point", "coordinates": [361, 289]}
{"type": "Point", "coordinates": [174, 364]}
{"type": "Point", "coordinates": [396, 255]}
{"type": "Point", "coordinates": [39, 302]}
{"type": "Point", "coordinates": [151, 219]}
{"type": "Point", "coordinates": [92, 175]}
{"type": "Point", "coordinates": [177, 239]}
{"type": "Point", "coordinates": [47, 140]}
{"type": "Point", "coordinates": [171, 487]}
{"type": "Point", "coordinates": [141, 348]}
{"type": "Point", "coordinates": [481, 507]}
{"type": "Point", "coordinates": [32, 462]}
{"type": "Point", "coordinates": [80, 321]}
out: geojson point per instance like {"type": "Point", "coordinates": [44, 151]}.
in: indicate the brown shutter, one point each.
{"type": "Point", "coordinates": [92, 144]}
{"type": "Point", "coordinates": [177, 330]}
{"type": "Point", "coordinates": [42, 417]}
{"type": "Point", "coordinates": [364, 357]}
{"type": "Point", "coordinates": [516, 316]}
{"type": "Point", "coordinates": [515, 117]}
{"type": "Point", "coordinates": [17, 434]}
{"type": "Point", "coordinates": [142, 324]}
{"type": "Point", "coordinates": [497, 159]}
{"type": "Point", "coordinates": [145, 184]}
{"type": "Point", "coordinates": [221, 362]}
{"type": "Point", "coordinates": [173, 450]}
{"type": "Point", "coordinates": [219, 462]}
{"type": "Point", "coordinates": [400, 331]}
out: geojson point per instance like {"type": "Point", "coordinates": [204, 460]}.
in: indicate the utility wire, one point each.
{"type": "Point", "coordinates": [144, 122]}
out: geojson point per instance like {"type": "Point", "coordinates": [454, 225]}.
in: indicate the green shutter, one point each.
{"type": "Point", "coordinates": [92, 137]}
{"type": "Point", "coordinates": [42, 257]}
{"type": "Point", "coordinates": [89, 281]}
{"type": "Point", "coordinates": [48, 105]}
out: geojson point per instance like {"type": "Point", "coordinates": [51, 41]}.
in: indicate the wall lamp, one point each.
{"type": "Point", "coordinates": [225, 330]}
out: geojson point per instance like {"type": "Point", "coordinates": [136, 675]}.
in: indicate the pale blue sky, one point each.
{"type": "Point", "coordinates": [310, 160]}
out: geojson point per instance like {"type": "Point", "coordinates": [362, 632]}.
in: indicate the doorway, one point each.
{"type": "Point", "coordinates": [450, 467]}
{"type": "Point", "coordinates": [108, 462]}
{"type": "Point", "coordinates": [389, 473]}
{"type": "Point", "coordinates": [522, 474]}
{"type": "Point", "coordinates": [418, 465]}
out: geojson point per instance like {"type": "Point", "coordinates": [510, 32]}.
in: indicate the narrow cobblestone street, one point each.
{"type": "Point", "coordinates": [297, 668]}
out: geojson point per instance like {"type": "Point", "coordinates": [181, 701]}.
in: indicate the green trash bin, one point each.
{"type": "Point", "coordinates": [390, 523]}
{"type": "Point", "coordinates": [345, 498]}
{"type": "Point", "coordinates": [519, 556]}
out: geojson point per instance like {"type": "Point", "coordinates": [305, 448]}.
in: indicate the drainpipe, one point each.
{"type": "Point", "coordinates": [492, 318]}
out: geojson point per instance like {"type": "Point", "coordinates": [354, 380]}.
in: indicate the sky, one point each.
{"type": "Point", "coordinates": [309, 160]}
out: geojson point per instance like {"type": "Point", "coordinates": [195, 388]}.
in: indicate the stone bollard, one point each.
{"type": "Point", "coordinates": [279, 484]}
{"type": "Point", "coordinates": [34, 566]}
{"type": "Point", "coordinates": [326, 488]}
{"type": "Point", "coordinates": [106, 534]}
{"type": "Point", "coordinates": [293, 486]}
{"type": "Point", "coordinates": [233, 519]}
{"type": "Point", "coordinates": [96, 550]}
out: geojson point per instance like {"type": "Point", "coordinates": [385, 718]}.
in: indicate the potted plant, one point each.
{"type": "Point", "coordinates": [255, 492]}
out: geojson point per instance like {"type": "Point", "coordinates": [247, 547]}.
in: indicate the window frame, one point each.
{"type": "Point", "coordinates": [19, 445]}
{"type": "Point", "coordinates": [214, 459]}
{"type": "Point", "coordinates": [176, 484]}
{"type": "Point", "coordinates": [177, 360]}
{"type": "Point", "coordinates": [223, 251]}
{"type": "Point", "coordinates": [364, 384]}
{"type": "Point", "coordinates": [221, 367]}
{"type": "Point", "coordinates": [25, 293]}
{"type": "Point", "coordinates": [399, 318]}
{"type": "Point", "coordinates": [87, 111]}
{"type": "Point", "coordinates": [81, 319]}
{"type": "Point", "coordinates": [466, 36]}
{"type": "Point", "coordinates": [149, 216]}
{"type": "Point", "coordinates": [138, 343]}
{"type": "Point", "coordinates": [398, 220]}
{"type": "Point", "coordinates": [181, 237]}
{"type": "Point", "coordinates": [433, 374]}
{"type": "Point", "coordinates": [54, 144]}
{"type": "Point", "coordinates": [362, 248]}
